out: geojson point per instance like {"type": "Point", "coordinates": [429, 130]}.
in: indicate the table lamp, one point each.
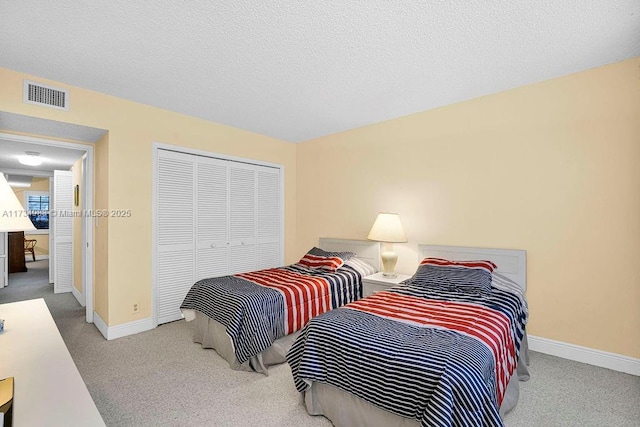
{"type": "Point", "coordinates": [13, 217]}
{"type": "Point", "coordinates": [388, 228]}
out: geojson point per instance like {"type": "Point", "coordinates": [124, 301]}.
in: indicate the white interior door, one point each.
{"type": "Point", "coordinates": [268, 218]}
{"type": "Point", "coordinates": [212, 217]}
{"type": "Point", "coordinates": [4, 261]}
{"type": "Point", "coordinates": [242, 218]}
{"type": "Point", "coordinates": [175, 222]}
{"type": "Point", "coordinates": [62, 230]}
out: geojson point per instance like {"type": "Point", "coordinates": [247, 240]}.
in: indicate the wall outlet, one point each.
{"type": "Point", "coordinates": [136, 308]}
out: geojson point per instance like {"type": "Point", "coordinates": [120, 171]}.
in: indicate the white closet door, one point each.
{"type": "Point", "coordinates": [63, 231]}
{"type": "Point", "coordinates": [175, 233]}
{"type": "Point", "coordinates": [212, 217]}
{"type": "Point", "coordinates": [242, 218]}
{"type": "Point", "coordinates": [268, 217]}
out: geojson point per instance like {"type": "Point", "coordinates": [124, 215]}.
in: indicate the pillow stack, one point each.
{"type": "Point", "coordinates": [318, 259]}
{"type": "Point", "coordinates": [472, 275]}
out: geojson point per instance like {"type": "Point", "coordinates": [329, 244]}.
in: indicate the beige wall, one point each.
{"type": "Point", "coordinates": [42, 245]}
{"type": "Point", "coordinates": [126, 268]}
{"type": "Point", "coordinates": [552, 168]}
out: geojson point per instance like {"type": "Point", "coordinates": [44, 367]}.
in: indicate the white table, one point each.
{"type": "Point", "coordinates": [49, 390]}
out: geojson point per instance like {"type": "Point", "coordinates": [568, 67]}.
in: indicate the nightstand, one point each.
{"type": "Point", "coordinates": [377, 282]}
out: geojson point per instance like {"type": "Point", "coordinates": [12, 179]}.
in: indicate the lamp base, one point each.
{"type": "Point", "coordinates": [389, 259]}
{"type": "Point", "coordinates": [6, 401]}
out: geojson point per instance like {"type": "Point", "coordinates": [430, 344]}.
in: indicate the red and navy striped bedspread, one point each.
{"type": "Point", "coordinates": [259, 307]}
{"type": "Point", "coordinates": [437, 354]}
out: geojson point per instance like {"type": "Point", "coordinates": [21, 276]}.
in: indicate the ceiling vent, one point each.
{"type": "Point", "coordinates": [45, 96]}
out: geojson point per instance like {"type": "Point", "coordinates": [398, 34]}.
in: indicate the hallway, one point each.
{"type": "Point", "coordinates": [34, 283]}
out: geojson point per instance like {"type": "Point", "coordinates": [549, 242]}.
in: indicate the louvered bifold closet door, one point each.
{"type": "Point", "coordinates": [242, 221]}
{"type": "Point", "coordinates": [63, 231]}
{"type": "Point", "coordinates": [212, 217]}
{"type": "Point", "coordinates": [175, 232]}
{"type": "Point", "coordinates": [268, 217]}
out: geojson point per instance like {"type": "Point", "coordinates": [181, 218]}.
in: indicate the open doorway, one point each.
{"type": "Point", "coordinates": [58, 195]}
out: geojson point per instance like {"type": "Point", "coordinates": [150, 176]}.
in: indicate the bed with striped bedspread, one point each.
{"type": "Point", "coordinates": [438, 354]}
{"type": "Point", "coordinates": [259, 307]}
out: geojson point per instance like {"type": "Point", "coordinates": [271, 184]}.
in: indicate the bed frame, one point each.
{"type": "Point", "coordinates": [364, 249]}
{"type": "Point", "coordinates": [344, 409]}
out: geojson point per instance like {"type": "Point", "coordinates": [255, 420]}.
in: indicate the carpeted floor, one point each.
{"type": "Point", "coordinates": [161, 378]}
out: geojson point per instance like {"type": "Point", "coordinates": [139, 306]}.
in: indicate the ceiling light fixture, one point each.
{"type": "Point", "coordinates": [31, 158]}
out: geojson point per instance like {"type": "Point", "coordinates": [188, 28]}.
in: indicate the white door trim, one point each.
{"type": "Point", "coordinates": [4, 259]}
{"type": "Point", "coordinates": [87, 239]}
{"type": "Point", "coordinates": [87, 253]}
{"type": "Point", "coordinates": [52, 254]}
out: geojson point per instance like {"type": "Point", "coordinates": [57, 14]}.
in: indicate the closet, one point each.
{"type": "Point", "coordinates": [213, 217]}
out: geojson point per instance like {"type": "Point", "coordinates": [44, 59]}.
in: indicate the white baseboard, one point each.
{"type": "Point", "coordinates": [130, 328]}
{"type": "Point", "coordinates": [119, 331]}
{"type": "Point", "coordinates": [604, 359]}
{"type": "Point", "coordinates": [76, 293]}
{"type": "Point", "coordinates": [101, 325]}
{"type": "Point", "coordinates": [29, 258]}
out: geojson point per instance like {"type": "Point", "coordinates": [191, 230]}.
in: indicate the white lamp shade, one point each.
{"type": "Point", "coordinates": [13, 217]}
{"type": "Point", "coordinates": [387, 228]}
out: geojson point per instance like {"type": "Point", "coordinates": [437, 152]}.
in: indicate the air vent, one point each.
{"type": "Point", "coordinates": [46, 96]}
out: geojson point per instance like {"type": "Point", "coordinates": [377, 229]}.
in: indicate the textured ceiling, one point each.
{"type": "Point", "coordinates": [296, 70]}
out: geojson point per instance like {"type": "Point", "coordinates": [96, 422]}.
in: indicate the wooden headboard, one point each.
{"type": "Point", "coordinates": [512, 263]}
{"type": "Point", "coordinates": [365, 249]}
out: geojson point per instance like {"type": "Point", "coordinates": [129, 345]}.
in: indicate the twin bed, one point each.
{"type": "Point", "coordinates": [439, 349]}
{"type": "Point", "coordinates": [446, 347]}
{"type": "Point", "coordinates": [252, 319]}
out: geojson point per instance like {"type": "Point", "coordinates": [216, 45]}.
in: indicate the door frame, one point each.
{"type": "Point", "coordinates": [4, 259]}
{"type": "Point", "coordinates": [87, 220]}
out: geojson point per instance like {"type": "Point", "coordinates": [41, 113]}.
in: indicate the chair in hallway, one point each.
{"type": "Point", "coordinates": [30, 246]}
